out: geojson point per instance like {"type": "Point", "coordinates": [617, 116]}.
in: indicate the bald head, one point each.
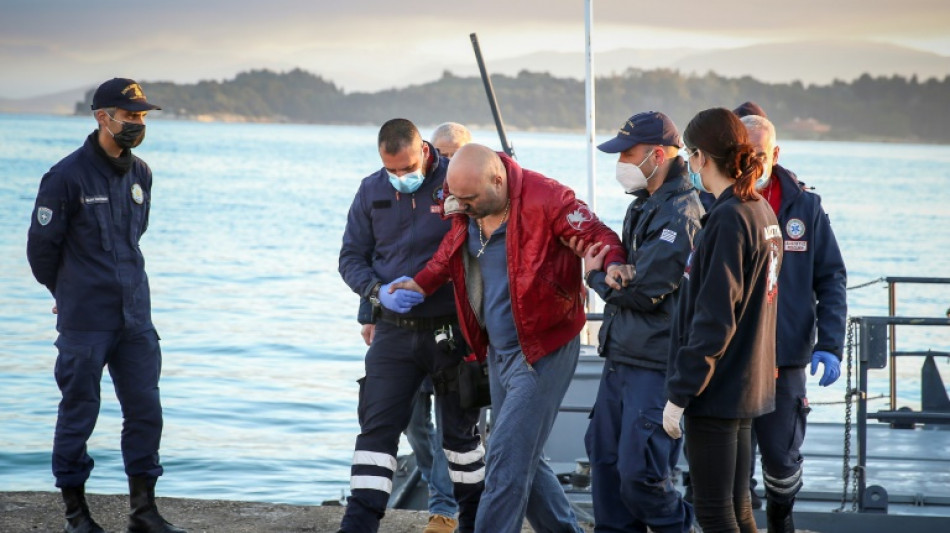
{"type": "Point", "coordinates": [478, 180]}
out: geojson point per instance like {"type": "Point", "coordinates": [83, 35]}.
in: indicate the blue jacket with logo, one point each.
{"type": "Point", "coordinates": [83, 242]}
{"type": "Point", "coordinates": [812, 303]}
{"type": "Point", "coordinates": [658, 233]}
{"type": "Point", "coordinates": [391, 234]}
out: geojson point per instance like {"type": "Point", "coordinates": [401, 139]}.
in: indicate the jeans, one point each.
{"type": "Point", "coordinates": [631, 456]}
{"type": "Point", "coordinates": [719, 450]}
{"type": "Point", "coordinates": [518, 482]}
{"type": "Point", "coordinates": [426, 442]}
{"type": "Point", "coordinates": [135, 363]}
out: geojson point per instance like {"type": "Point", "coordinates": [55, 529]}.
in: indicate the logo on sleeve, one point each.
{"type": "Point", "coordinates": [579, 216]}
{"type": "Point", "coordinates": [137, 195]}
{"type": "Point", "coordinates": [44, 215]}
{"type": "Point", "coordinates": [772, 276]}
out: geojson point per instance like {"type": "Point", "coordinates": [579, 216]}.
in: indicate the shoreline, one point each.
{"type": "Point", "coordinates": [23, 512]}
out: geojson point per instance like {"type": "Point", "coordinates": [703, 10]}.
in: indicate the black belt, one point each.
{"type": "Point", "coordinates": [419, 323]}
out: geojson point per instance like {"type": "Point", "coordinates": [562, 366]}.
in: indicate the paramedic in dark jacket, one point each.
{"type": "Point", "coordinates": [811, 322]}
{"type": "Point", "coordinates": [394, 226]}
{"type": "Point", "coordinates": [91, 210]}
{"type": "Point", "coordinates": [629, 492]}
{"type": "Point", "coordinates": [722, 350]}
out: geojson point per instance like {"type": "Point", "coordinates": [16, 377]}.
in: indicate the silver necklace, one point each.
{"type": "Point", "coordinates": [481, 240]}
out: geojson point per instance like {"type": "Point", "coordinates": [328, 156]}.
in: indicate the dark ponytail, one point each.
{"type": "Point", "coordinates": [720, 134]}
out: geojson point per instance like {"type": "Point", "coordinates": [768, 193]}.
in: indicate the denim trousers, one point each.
{"type": "Point", "coordinates": [632, 459]}
{"type": "Point", "coordinates": [518, 482]}
{"type": "Point", "coordinates": [426, 442]}
{"type": "Point", "coordinates": [718, 452]}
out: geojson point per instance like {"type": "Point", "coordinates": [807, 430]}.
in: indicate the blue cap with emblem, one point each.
{"type": "Point", "coordinates": [651, 127]}
{"type": "Point", "coordinates": [122, 93]}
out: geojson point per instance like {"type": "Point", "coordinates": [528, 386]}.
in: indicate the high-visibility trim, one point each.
{"type": "Point", "coordinates": [372, 483]}
{"type": "Point", "coordinates": [469, 478]}
{"type": "Point", "coordinates": [362, 457]}
{"type": "Point", "coordinates": [789, 485]}
{"type": "Point", "coordinates": [465, 458]}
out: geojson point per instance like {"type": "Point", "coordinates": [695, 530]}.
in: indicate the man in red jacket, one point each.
{"type": "Point", "coordinates": [520, 299]}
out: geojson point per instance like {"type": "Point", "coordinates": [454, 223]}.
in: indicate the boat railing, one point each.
{"type": "Point", "coordinates": [877, 349]}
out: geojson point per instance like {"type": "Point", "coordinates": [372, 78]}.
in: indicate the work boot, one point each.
{"type": "Point", "coordinates": [144, 517]}
{"type": "Point", "coordinates": [441, 524]}
{"type": "Point", "coordinates": [779, 516]}
{"type": "Point", "coordinates": [78, 519]}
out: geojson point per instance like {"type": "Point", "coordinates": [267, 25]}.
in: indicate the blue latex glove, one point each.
{"type": "Point", "coordinates": [832, 367]}
{"type": "Point", "coordinates": [401, 300]}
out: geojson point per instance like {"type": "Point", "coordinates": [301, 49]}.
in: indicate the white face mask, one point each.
{"type": "Point", "coordinates": [763, 182]}
{"type": "Point", "coordinates": [631, 177]}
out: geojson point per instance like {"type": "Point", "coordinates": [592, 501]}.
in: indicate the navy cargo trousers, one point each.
{"type": "Point", "coordinates": [631, 456]}
{"type": "Point", "coordinates": [397, 361]}
{"type": "Point", "coordinates": [135, 363]}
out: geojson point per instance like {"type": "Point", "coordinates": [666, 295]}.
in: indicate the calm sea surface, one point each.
{"type": "Point", "coordinates": [260, 341]}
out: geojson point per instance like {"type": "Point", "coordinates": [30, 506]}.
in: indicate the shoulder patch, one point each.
{"type": "Point", "coordinates": [668, 235]}
{"type": "Point", "coordinates": [44, 215]}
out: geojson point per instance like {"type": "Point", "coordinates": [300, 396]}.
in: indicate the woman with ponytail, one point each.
{"type": "Point", "coordinates": [722, 354]}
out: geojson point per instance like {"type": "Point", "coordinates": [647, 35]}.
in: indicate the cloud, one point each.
{"type": "Point", "coordinates": [365, 44]}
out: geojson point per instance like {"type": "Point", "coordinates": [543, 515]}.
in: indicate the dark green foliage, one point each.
{"type": "Point", "coordinates": [868, 108]}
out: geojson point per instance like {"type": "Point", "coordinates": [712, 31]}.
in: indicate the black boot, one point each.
{"type": "Point", "coordinates": [144, 517]}
{"type": "Point", "coordinates": [779, 516]}
{"type": "Point", "coordinates": [78, 519]}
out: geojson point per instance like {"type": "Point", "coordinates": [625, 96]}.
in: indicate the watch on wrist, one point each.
{"type": "Point", "coordinates": [374, 294]}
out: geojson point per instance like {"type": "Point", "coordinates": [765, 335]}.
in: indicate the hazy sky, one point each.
{"type": "Point", "coordinates": [52, 45]}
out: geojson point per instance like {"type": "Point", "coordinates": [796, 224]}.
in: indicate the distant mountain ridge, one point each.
{"type": "Point", "coordinates": [809, 62]}
{"type": "Point", "coordinates": [892, 108]}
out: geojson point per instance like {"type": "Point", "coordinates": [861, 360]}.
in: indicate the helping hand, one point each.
{"type": "Point", "coordinates": [619, 276]}
{"type": "Point", "coordinates": [579, 246]}
{"type": "Point", "coordinates": [395, 298]}
{"type": "Point", "coordinates": [832, 367]}
{"type": "Point", "coordinates": [671, 419]}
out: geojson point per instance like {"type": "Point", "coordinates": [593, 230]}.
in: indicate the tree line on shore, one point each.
{"type": "Point", "coordinates": [869, 108]}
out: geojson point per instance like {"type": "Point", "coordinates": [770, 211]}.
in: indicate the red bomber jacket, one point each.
{"type": "Point", "coordinates": [544, 276]}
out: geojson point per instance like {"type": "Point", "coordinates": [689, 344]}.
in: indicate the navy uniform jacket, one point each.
{"type": "Point", "coordinates": [390, 234]}
{"type": "Point", "coordinates": [813, 281]}
{"type": "Point", "coordinates": [658, 234]}
{"type": "Point", "coordinates": [83, 242]}
{"type": "Point", "coordinates": [722, 346]}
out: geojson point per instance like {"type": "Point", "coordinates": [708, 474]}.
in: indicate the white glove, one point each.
{"type": "Point", "coordinates": [671, 419]}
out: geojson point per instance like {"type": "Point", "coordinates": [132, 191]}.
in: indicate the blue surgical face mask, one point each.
{"type": "Point", "coordinates": [409, 182]}
{"type": "Point", "coordinates": [694, 177]}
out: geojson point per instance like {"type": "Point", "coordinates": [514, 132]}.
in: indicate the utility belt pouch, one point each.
{"type": "Point", "coordinates": [474, 391]}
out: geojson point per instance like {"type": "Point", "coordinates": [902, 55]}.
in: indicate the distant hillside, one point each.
{"type": "Point", "coordinates": [59, 103]}
{"type": "Point", "coordinates": [884, 108]}
{"type": "Point", "coordinates": [809, 62]}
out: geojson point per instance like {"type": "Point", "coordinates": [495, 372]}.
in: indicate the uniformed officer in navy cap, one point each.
{"type": "Point", "coordinates": [91, 210]}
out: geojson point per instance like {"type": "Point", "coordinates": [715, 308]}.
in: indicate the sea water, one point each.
{"type": "Point", "coordinates": [259, 335]}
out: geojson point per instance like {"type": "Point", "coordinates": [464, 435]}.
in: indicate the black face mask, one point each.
{"type": "Point", "coordinates": [130, 136]}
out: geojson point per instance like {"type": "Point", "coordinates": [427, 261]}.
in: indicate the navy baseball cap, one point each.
{"type": "Point", "coordinates": [651, 127]}
{"type": "Point", "coordinates": [122, 93]}
{"type": "Point", "coordinates": [749, 108]}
